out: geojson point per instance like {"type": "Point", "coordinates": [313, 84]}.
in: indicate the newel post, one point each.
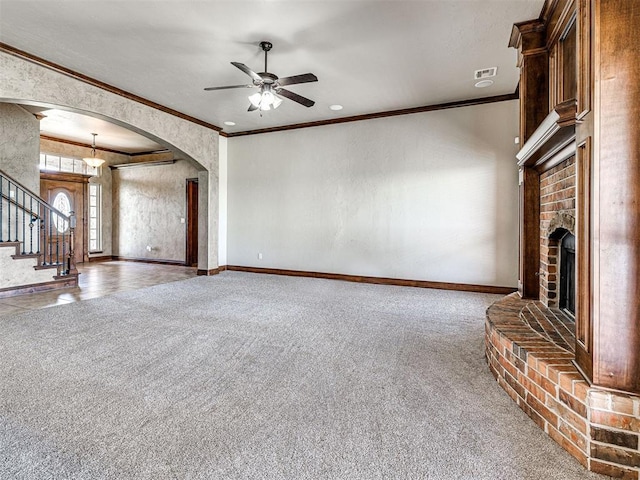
{"type": "Point", "coordinates": [71, 261]}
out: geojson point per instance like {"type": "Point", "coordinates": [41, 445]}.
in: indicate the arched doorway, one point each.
{"type": "Point", "coordinates": [26, 82]}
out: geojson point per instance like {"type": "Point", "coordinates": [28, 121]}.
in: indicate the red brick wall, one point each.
{"type": "Point", "coordinates": [557, 196]}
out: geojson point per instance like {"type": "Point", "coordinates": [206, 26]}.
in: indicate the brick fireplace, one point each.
{"type": "Point", "coordinates": [577, 376]}
{"type": "Point", "coordinates": [530, 347]}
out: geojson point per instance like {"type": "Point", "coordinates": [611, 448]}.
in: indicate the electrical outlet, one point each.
{"type": "Point", "coordinates": [259, 256]}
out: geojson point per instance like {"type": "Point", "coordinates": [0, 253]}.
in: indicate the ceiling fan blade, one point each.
{"type": "Point", "coordinates": [248, 71]}
{"type": "Point", "coordinates": [295, 97]}
{"type": "Point", "coordinates": [252, 107]}
{"type": "Point", "coordinates": [208, 89]}
{"type": "Point", "coordinates": [304, 78]}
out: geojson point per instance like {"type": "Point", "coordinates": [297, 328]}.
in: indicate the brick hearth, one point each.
{"type": "Point", "coordinates": [529, 351]}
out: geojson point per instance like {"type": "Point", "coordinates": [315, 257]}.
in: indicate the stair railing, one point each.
{"type": "Point", "coordinates": [40, 230]}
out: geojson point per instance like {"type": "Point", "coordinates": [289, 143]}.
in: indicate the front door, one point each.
{"type": "Point", "coordinates": [67, 192]}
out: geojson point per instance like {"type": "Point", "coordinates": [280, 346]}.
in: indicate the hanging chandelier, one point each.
{"type": "Point", "coordinates": [92, 161]}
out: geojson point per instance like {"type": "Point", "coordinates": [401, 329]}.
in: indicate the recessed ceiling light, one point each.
{"type": "Point", "coordinates": [335, 107]}
{"type": "Point", "coordinates": [231, 124]}
{"type": "Point", "coordinates": [484, 83]}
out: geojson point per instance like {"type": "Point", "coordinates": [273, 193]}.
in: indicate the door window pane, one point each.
{"type": "Point", "coordinates": [62, 203]}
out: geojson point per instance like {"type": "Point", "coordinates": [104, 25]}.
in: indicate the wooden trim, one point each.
{"type": "Point", "coordinates": [158, 261]}
{"type": "Point", "coordinates": [585, 67]}
{"type": "Point", "coordinates": [150, 152]}
{"type": "Point", "coordinates": [100, 258]}
{"type": "Point", "coordinates": [527, 36]}
{"type": "Point", "coordinates": [151, 163]}
{"type": "Point", "coordinates": [584, 334]}
{"type": "Point", "coordinates": [371, 116]}
{"type": "Point", "coordinates": [213, 271]}
{"type": "Point", "coordinates": [464, 287]}
{"type": "Point", "coordinates": [65, 176]}
{"type": "Point", "coordinates": [548, 7]}
{"type": "Point", "coordinates": [547, 162]}
{"type": "Point", "coordinates": [80, 144]}
{"type": "Point", "coordinates": [559, 19]}
{"type": "Point", "coordinates": [104, 86]}
{"type": "Point", "coordinates": [102, 149]}
{"type": "Point", "coordinates": [529, 233]}
{"type": "Point", "coordinates": [68, 282]}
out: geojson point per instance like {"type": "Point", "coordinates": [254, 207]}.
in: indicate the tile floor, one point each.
{"type": "Point", "coordinates": [99, 279]}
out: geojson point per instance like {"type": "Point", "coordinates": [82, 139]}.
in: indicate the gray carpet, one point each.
{"type": "Point", "coordinates": [245, 376]}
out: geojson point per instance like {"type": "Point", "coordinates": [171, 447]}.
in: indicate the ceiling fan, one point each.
{"type": "Point", "coordinates": [270, 85]}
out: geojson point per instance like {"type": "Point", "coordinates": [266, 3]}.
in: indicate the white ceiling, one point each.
{"type": "Point", "coordinates": [76, 127]}
{"type": "Point", "coordinates": [369, 56]}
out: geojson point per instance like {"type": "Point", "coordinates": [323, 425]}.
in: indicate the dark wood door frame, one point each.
{"type": "Point", "coordinates": [191, 255]}
{"type": "Point", "coordinates": [74, 185]}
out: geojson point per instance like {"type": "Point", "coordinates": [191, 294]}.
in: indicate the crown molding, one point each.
{"type": "Point", "coordinates": [355, 118]}
{"type": "Point", "coordinates": [390, 113]}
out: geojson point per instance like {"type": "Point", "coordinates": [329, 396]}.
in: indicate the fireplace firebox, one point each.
{"type": "Point", "coordinates": [568, 274]}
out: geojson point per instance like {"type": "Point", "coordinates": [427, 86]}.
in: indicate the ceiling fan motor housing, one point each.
{"type": "Point", "coordinates": [268, 78]}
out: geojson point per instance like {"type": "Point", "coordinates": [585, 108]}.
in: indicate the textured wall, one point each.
{"type": "Point", "coordinates": [148, 205]}
{"type": "Point", "coordinates": [19, 146]}
{"type": "Point", "coordinates": [27, 82]}
{"type": "Point", "coordinates": [430, 196]}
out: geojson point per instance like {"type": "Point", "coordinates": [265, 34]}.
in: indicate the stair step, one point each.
{"type": "Point", "coordinates": [25, 255]}
{"type": "Point", "coordinates": [66, 281]}
{"type": "Point", "coordinates": [15, 245]}
{"type": "Point", "coordinates": [45, 267]}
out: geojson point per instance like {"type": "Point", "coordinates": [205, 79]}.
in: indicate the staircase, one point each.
{"type": "Point", "coordinates": [36, 242]}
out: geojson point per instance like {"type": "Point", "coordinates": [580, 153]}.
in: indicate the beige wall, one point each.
{"type": "Point", "coordinates": [430, 196]}
{"type": "Point", "coordinates": [149, 207]}
{"type": "Point", "coordinates": [19, 145]}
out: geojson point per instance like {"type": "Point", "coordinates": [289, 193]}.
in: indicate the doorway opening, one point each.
{"type": "Point", "coordinates": [191, 255]}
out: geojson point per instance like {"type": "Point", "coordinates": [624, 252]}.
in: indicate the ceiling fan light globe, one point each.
{"type": "Point", "coordinates": [265, 106]}
{"type": "Point", "coordinates": [267, 97]}
{"type": "Point", "coordinates": [255, 99]}
{"type": "Point", "coordinates": [277, 101]}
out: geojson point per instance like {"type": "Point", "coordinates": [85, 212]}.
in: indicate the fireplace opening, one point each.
{"type": "Point", "coordinates": [568, 273]}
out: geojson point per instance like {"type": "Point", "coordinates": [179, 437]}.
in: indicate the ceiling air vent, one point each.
{"type": "Point", "coordinates": [485, 73]}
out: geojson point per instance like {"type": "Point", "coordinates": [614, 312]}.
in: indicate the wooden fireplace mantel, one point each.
{"type": "Point", "coordinates": [553, 141]}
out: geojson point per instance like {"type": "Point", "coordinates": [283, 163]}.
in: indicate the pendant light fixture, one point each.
{"type": "Point", "coordinates": [92, 161]}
